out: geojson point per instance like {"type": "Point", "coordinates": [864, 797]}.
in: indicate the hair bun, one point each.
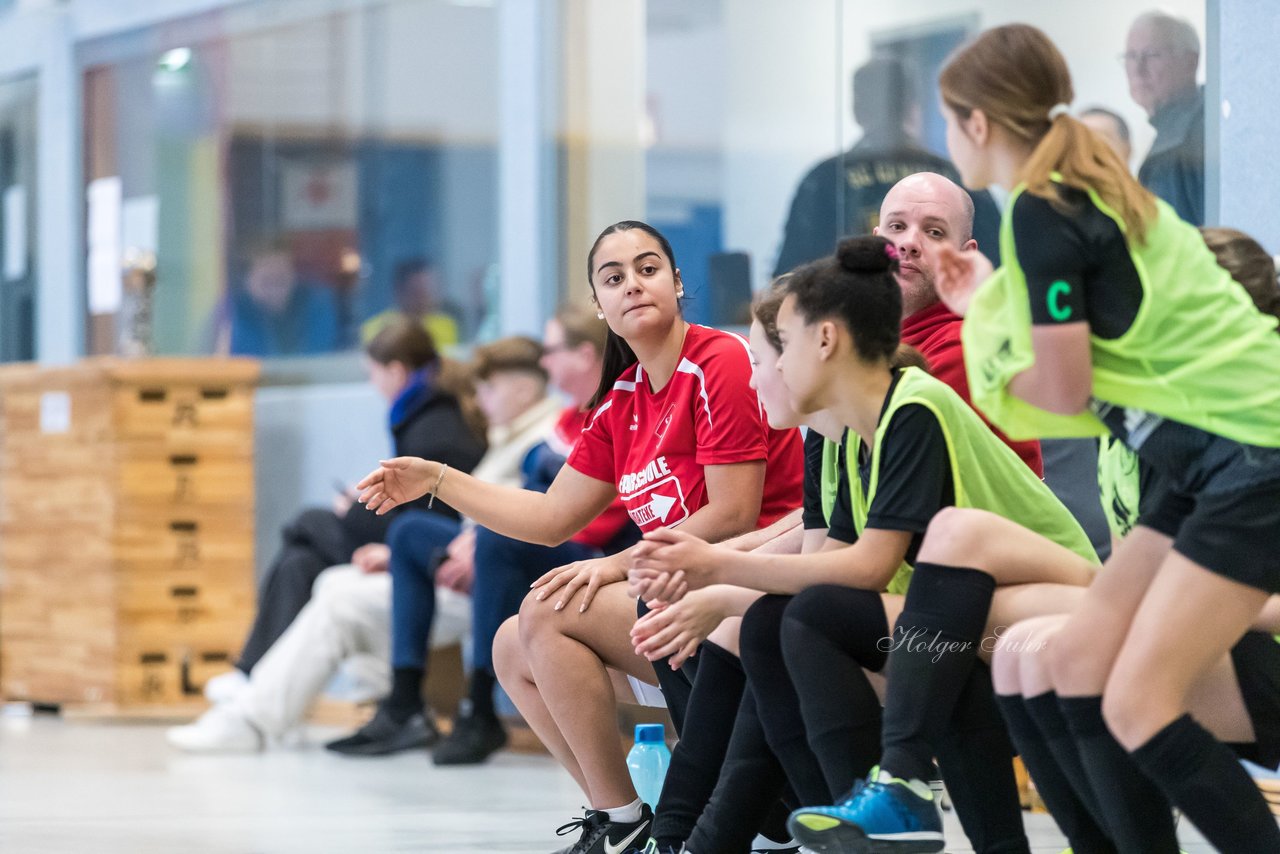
{"type": "Point", "coordinates": [866, 254]}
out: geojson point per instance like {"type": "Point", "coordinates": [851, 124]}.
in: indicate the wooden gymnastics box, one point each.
{"type": "Point", "coordinates": [126, 528]}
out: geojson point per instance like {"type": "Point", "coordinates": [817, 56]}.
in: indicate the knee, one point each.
{"type": "Point", "coordinates": [508, 656]}
{"type": "Point", "coordinates": [1015, 649]}
{"type": "Point", "coordinates": [537, 619]}
{"type": "Point", "coordinates": [954, 536]}
{"type": "Point", "coordinates": [1069, 660]}
{"type": "Point", "coordinates": [760, 638]}
{"type": "Point", "coordinates": [1127, 708]}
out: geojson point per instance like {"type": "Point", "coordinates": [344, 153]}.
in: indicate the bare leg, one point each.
{"type": "Point", "coordinates": [516, 678]}
{"type": "Point", "coordinates": [1004, 550]}
{"type": "Point", "coordinates": [1186, 623]}
{"type": "Point", "coordinates": [1021, 603]}
{"type": "Point", "coordinates": [1081, 656]}
{"type": "Point", "coordinates": [1019, 664]}
{"type": "Point", "coordinates": [569, 653]}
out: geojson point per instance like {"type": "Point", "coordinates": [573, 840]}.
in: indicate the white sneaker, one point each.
{"type": "Point", "coordinates": [225, 687]}
{"type": "Point", "coordinates": [222, 729]}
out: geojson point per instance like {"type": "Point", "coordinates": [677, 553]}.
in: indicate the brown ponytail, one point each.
{"type": "Point", "coordinates": [1016, 76]}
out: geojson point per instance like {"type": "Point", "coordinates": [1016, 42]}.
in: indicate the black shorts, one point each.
{"type": "Point", "coordinates": [1235, 533]}
{"type": "Point", "coordinates": [1257, 662]}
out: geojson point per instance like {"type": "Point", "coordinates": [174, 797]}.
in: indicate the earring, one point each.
{"type": "Point", "coordinates": [600, 315]}
{"type": "Point", "coordinates": [679, 294]}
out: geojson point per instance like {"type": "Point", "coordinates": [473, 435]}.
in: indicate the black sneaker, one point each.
{"type": "Point", "coordinates": [383, 736]}
{"type": "Point", "coordinates": [473, 740]}
{"type": "Point", "coordinates": [602, 836]}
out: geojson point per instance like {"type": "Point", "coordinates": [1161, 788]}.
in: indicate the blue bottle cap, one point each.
{"type": "Point", "coordinates": [650, 733]}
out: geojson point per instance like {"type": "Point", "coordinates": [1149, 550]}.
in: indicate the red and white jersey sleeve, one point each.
{"type": "Point", "coordinates": [653, 446]}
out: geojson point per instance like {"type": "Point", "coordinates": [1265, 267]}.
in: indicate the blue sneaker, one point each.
{"type": "Point", "coordinates": [886, 815]}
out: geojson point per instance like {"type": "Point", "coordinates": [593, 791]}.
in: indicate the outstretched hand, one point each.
{"type": "Point", "coordinates": [957, 275]}
{"type": "Point", "coordinates": [395, 482]}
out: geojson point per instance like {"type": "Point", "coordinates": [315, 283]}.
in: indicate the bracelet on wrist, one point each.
{"type": "Point", "coordinates": [444, 467]}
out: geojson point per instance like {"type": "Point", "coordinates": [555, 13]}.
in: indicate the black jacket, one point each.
{"type": "Point", "coordinates": [433, 430]}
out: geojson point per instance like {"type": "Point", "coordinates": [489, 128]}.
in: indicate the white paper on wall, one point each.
{"type": "Point", "coordinates": [104, 198]}
{"type": "Point", "coordinates": [55, 412]}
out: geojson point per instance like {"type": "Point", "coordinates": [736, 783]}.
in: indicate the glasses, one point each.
{"type": "Point", "coordinates": [1135, 58]}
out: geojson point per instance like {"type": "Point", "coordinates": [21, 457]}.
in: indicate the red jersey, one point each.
{"type": "Point", "coordinates": [653, 445]}
{"type": "Point", "coordinates": [935, 332]}
{"type": "Point", "coordinates": [602, 530]}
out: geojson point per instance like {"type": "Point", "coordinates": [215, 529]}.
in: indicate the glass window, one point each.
{"type": "Point", "coordinates": [771, 129]}
{"type": "Point", "coordinates": [18, 194]}
{"type": "Point", "coordinates": [297, 176]}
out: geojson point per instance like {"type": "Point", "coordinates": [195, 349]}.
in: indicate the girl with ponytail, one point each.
{"type": "Point", "coordinates": [677, 433]}
{"type": "Point", "coordinates": [1110, 316]}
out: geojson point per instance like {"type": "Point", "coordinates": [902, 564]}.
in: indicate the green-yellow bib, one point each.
{"type": "Point", "coordinates": [1198, 351]}
{"type": "Point", "coordinates": [986, 473]}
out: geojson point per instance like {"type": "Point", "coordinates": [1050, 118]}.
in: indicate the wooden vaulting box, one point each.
{"type": "Point", "coordinates": [126, 528]}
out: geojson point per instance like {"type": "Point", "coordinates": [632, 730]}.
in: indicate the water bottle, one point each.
{"type": "Point", "coordinates": [648, 761]}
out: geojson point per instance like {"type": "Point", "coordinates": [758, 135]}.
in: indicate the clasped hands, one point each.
{"type": "Point", "coordinates": [670, 571]}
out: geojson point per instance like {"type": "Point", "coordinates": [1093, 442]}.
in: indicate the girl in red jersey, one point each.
{"type": "Point", "coordinates": [678, 434]}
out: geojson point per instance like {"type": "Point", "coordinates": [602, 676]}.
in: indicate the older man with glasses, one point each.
{"type": "Point", "coordinates": [1161, 55]}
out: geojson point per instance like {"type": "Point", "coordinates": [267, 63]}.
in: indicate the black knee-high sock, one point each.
{"type": "Point", "coordinates": [1137, 816]}
{"type": "Point", "coordinates": [934, 647]}
{"type": "Point", "coordinates": [695, 763]}
{"type": "Point", "coordinates": [751, 782]}
{"type": "Point", "coordinates": [676, 685]}
{"type": "Point", "coordinates": [829, 634]}
{"type": "Point", "coordinates": [1046, 711]}
{"type": "Point", "coordinates": [1203, 778]}
{"type": "Point", "coordinates": [976, 756]}
{"type": "Point", "coordinates": [779, 707]}
{"type": "Point", "coordinates": [1058, 784]}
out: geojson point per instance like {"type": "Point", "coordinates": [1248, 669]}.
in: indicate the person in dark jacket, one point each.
{"type": "Point", "coordinates": [1160, 59]}
{"type": "Point", "coordinates": [433, 415]}
{"type": "Point", "coordinates": [841, 195]}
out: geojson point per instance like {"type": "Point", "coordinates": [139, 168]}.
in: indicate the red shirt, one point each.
{"type": "Point", "coordinates": [602, 530]}
{"type": "Point", "coordinates": [653, 446]}
{"type": "Point", "coordinates": [935, 332]}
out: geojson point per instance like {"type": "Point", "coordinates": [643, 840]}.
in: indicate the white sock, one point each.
{"type": "Point", "coordinates": [627, 814]}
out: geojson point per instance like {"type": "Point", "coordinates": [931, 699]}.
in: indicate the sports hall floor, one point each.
{"type": "Point", "coordinates": [119, 789]}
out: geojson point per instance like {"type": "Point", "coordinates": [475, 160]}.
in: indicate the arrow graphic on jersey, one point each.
{"type": "Point", "coordinates": [661, 506]}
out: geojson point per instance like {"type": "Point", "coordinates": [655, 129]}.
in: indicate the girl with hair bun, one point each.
{"type": "Point", "coordinates": [914, 448]}
{"type": "Point", "coordinates": [1108, 316]}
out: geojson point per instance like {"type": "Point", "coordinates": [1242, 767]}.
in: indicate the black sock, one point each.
{"type": "Point", "coordinates": [676, 685]}
{"type": "Point", "coordinates": [1060, 784]}
{"type": "Point", "coordinates": [778, 706]}
{"type": "Point", "coordinates": [405, 699]}
{"type": "Point", "coordinates": [481, 694]}
{"type": "Point", "coordinates": [696, 760]}
{"type": "Point", "coordinates": [1203, 778]}
{"type": "Point", "coordinates": [934, 647]}
{"type": "Point", "coordinates": [976, 755]}
{"type": "Point", "coordinates": [829, 634]}
{"type": "Point", "coordinates": [1136, 814]}
{"type": "Point", "coordinates": [751, 782]}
